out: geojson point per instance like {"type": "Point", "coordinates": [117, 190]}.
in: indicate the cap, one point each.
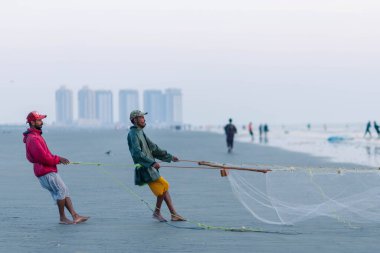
{"type": "Point", "coordinates": [137, 113]}
{"type": "Point", "coordinates": [32, 116]}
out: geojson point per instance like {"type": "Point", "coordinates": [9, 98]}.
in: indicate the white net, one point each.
{"type": "Point", "coordinates": [289, 196]}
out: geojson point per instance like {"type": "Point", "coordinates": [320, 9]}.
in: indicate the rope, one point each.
{"type": "Point", "coordinates": [130, 165]}
{"type": "Point", "coordinates": [190, 161]}
{"type": "Point", "coordinates": [207, 165]}
{"type": "Point", "coordinates": [259, 167]}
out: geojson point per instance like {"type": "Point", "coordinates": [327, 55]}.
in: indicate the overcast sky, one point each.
{"type": "Point", "coordinates": [269, 61]}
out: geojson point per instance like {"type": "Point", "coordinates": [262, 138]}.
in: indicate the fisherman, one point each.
{"type": "Point", "coordinates": [230, 131]}
{"type": "Point", "coordinates": [144, 152]}
{"type": "Point", "coordinates": [45, 168]}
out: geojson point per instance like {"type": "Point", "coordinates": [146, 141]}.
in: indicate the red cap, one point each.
{"type": "Point", "coordinates": [33, 116]}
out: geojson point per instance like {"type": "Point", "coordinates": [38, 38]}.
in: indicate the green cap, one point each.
{"type": "Point", "coordinates": [137, 113]}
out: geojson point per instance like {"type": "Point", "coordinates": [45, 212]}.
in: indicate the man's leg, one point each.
{"type": "Point", "coordinates": [76, 217]}
{"type": "Point", "coordinates": [61, 208]}
{"type": "Point", "coordinates": [160, 189]}
{"type": "Point", "coordinates": [157, 189]}
{"type": "Point", "coordinates": [53, 183]}
{"type": "Point", "coordinates": [157, 211]}
{"type": "Point", "coordinates": [174, 215]}
{"type": "Point", "coordinates": [229, 145]}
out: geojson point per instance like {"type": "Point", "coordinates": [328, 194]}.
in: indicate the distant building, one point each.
{"type": "Point", "coordinates": [154, 104]}
{"type": "Point", "coordinates": [86, 107]}
{"type": "Point", "coordinates": [64, 106]}
{"type": "Point", "coordinates": [95, 107]}
{"type": "Point", "coordinates": [104, 107]}
{"type": "Point", "coordinates": [128, 101]}
{"type": "Point", "coordinates": [173, 107]}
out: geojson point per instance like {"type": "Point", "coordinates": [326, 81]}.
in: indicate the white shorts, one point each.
{"type": "Point", "coordinates": [55, 185]}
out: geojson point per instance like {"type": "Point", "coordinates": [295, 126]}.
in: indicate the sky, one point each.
{"type": "Point", "coordinates": [271, 61]}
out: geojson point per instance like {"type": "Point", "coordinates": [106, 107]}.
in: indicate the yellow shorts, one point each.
{"type": "Point", "coordinates": [159, 187]}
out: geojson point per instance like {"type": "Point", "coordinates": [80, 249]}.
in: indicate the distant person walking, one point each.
{"type": "Point", "coordinates": [230, 131]}
{"type": "Point", "coordinates": [250, 130]}
{"type": "Point", "coordinates": [377, 129]}
{"type": "Point", "coordinates": [45, 168]}
{"type": "Point", "coordinates": [368, 129]}
{"type": "Point", "coordinates": [266, 130]}
{"type": "Point", "coordinates": [144, 152]}
{"type": "Point", "coordinates": [261, 132]}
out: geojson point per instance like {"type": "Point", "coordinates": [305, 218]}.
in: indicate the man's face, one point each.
{"type": "Point", "coordinates": [140, 121]}
{"type": "Point", "coordinates": [37, 124]}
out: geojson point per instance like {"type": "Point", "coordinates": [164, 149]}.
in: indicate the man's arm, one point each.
{"type": "Point", "coordinates": [40, 156]}
{"type": "Point", "coordinates": [159, 153]}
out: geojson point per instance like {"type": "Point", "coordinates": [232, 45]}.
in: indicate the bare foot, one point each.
{"type": "Point", "coordinates": [80, 219]}
{"type": "Point", "coordinates": [177, 217]}
{"type": "Point", "coordinates": [158, 217]}
{"type": "Point", "coordinates": [65, 221]}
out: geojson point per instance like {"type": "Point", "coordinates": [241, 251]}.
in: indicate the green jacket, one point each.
{"type": "Point", "coordinates": [143, 152]}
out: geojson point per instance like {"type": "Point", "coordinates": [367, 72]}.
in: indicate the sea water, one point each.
{"type": "Point", "coordinates": [341, 143]}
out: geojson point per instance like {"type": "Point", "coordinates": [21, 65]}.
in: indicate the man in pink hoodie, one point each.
{"type": "Point", "coordinates": [45, 168]}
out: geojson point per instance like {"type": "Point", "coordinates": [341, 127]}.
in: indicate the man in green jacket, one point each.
{"type": "Point", "coordinates": [144, 152]}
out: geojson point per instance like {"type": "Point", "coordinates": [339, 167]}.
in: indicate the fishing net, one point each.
{"type": "Point", "coordinates": [289, 196]}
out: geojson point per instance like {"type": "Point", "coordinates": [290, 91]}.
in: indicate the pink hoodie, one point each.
{"type": "Point", "coordinates": [38, 153]}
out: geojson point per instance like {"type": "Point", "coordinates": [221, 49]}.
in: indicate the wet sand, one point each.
{"type": "Point", "coordinates": [121, 223]}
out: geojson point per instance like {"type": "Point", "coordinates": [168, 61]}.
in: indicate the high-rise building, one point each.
{"type": "Point", "coordinates": [154, 104]}
{"type": "Point", "coordinates": [64, 106]}
{"type": "Point", "coordinates": [173, 106]}
{"type": "Point", "coordinates": [86, 105]}
{"type": "Point", "coordinates": [104, 107]}
{"type": "Point", "coordinates": [128, 101]}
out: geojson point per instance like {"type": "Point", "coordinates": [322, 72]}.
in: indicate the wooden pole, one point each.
{"type": "Point", "coordinates": [224, 166]}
